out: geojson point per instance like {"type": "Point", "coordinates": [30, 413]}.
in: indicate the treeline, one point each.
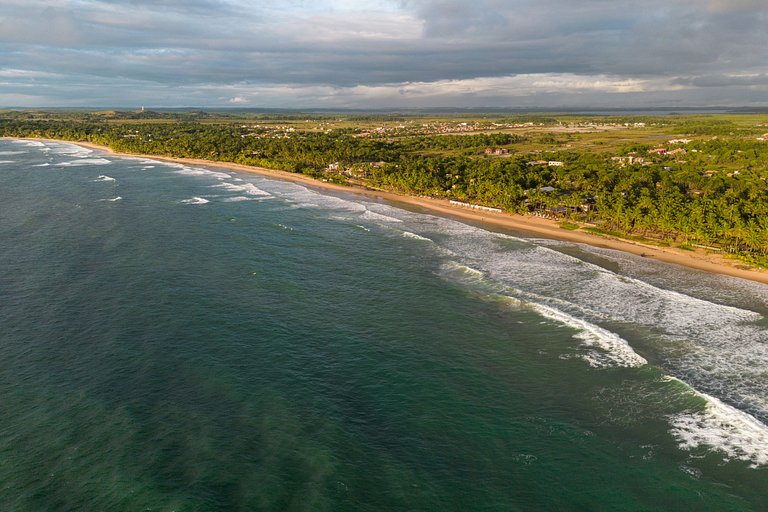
{"type": "Point", "coordinates": [716, 194]}
{"type": "Point", "coordinates": [730, 212]}
{"type": "Point", "coordinates": [454, 142]}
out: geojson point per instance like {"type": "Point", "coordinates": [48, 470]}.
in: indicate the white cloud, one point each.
{"type": "Point", "coordinates": [391, 52]}
{"type": "Point", "coordinates": [736, 5]}
{"type": "Point", "coordinates": [25, 73]}
{"type": "Point", "coordinates": [517, 86]}
{"type": "Point", "coordinates": [483, 91]}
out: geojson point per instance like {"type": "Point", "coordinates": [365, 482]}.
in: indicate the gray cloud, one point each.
{"type": "Point", "coordinates": [215, 51]}
{"type": "Point", "coordinates": [749, 80]}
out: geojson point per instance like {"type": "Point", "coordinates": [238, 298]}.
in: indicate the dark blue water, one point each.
{"type": "Point", "coordinates": [174, 338]}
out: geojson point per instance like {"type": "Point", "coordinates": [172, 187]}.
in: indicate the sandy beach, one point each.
{"type": "Point", "coordinates": [535, 226]}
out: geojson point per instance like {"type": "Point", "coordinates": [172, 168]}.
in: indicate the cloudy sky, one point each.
{"type": "Point", "coordinates": [383, 53]}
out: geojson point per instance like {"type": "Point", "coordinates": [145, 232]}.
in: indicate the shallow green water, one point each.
{"type": "Point", "coordinates": [277, 349]}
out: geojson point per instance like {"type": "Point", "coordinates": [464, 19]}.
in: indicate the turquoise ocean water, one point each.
{"type": "Point", "coordinates": [176, 338]}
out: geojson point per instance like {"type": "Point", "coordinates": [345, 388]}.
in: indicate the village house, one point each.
{"type": "Point", "coordinates": [624, 160]}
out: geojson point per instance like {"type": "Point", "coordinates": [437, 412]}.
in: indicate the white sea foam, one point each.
{"type": "Point", "coordinates": [611, 349]}
{"type": "Point", "coordinates": [8, 153]}
{"type": "Point", "coordinates": [408, 234]}
{"type": "Point", "coordinates": [196, 171]}
{"type": "Point", "coordinates": [475, 279]}
{"type": "Point", "coordinates": [471, 271]}
{"type": "Point", "coordinates": [112, 199]}
{"type": "Point", "coordinates": [378, 217]}
{"type": "Point", "coordinates": [196, 200]}
{"type": "Point", "coordinates": [188, 171]}
{"type": "Point", "coordinates": [723, 428]}
{"type": "Point", "coordinates": [617, 352]}
{"type": "Point", "coordinates": [303, 197]}
{"type": "Point", "coordinates": [711, 287]}
{"type": "Point", "coordinates": [247, 188]}
{"type": "Point", "coordinates": [148, 161]}
{"type": "Point", "coordinates": [228, 186]}
{"type": "Point", "coordinates": [713, 345]}
{"type": "Point", "coordinates": [71, 150]}
{"type": "Point", "coordinates": [7, 161]}
{"type": "Point", "coordinates": [105, 178]}
{"type": "Point", "coordinates": [297, 206]}
{"type": "Point", "coordinates": [238, 199]}
{"type": "Point", "coordinates": [717, 348]}
{"type": "Point", "coordinates": [84, 161]}
{"type": "Point", "coordinates": [41, 165]}
{"type": "Point", "coordinates": [300, 196]}
{"type": "Point", "coordinates": [30, 143]}
{"type": "Point", "coordinates": [338, 203]}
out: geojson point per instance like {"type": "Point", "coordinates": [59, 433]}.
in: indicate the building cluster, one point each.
{"type": "Point", "coordinates": [268, 131]}
{"type": "Point", "coordinates": [629, 160]}
{"type": "Point", "coordinates": [549, 163]}
{"type": "Point", "coordinates": [476, 206]}
{"type": "Point", "coordinates": [634, 159]}
{"type": "Point", "coordinates": [442, 128]}
{"type": "Point", "coordinates": [667, 152]}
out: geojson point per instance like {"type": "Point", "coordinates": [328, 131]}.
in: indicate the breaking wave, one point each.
{"type": "Point", "coordinates": [408, 234]}
{"type": "Point", "coordinates": [196, 200]}
{"type": "Point", "coordinates": [379, 217]}
{"type": "Point", "coordinates": [238, 199]}
{"type": "Point", "coordinates": [29, 143]}
{"type": "Point", "coordinates": [85, 161]}
{"type": "Point", "coordinates": [246, 188]}
{"type": "Point", "coordinates": [197, 171]}
{"type": "Point", "coordinates": [722, 428]}
{"type": "Point", "coordinates": [615, 351]}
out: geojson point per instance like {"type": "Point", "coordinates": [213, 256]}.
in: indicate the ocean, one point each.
{"type": "Point", "coordinates": [175, 338]}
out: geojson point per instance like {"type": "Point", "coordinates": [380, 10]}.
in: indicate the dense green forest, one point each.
{"type": "Point", "coordinates": [694, 180]}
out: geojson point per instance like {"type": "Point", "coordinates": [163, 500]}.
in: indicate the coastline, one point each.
{"type": "Point", "coordinates": [698, 259]}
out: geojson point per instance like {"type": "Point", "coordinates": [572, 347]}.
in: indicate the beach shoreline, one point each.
{"type": "Point", "coordinates": [535, 226]}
